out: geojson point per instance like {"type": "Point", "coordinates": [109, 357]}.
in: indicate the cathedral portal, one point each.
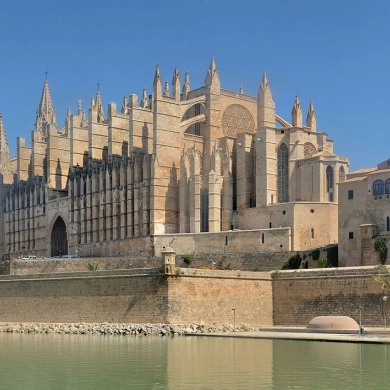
{"type": "Point", "coordinates": [59, 241]}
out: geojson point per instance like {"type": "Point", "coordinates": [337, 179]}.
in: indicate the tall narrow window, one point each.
{"type": "Point", "coordinates": [341, 174]}
{"type": "Point", "coordinates": [197, 125]}
{"type": "Point", "coordinates": [262, 238]}
{"type": "Point", "coordinates": [388, 224]}
{"type": "Point", "coordinates": [204, 223]}
{"type": "Point", "coordinates": [377, 187]}
{"type": "Point", "coordinates": [282, 174]}
{"type": "Point", "coordinates": [329, 183]}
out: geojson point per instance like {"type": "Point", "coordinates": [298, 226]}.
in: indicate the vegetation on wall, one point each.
{"type": "Point", "coordinates": [385, 283]}
{"type": "Point", "coordinates": [294, 262]}
{"type": "Point", "coordinates": [187, 259]}
{"type": "Point", "coordinates": [381, 247]}
{"type": "Point", "coordinates": [93, 266]}
{"type": "Point", "coordinates": [315, 254]}
{"type": "Point", "coordinates": [322, 263]}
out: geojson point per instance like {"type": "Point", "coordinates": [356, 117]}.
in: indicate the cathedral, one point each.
{"type": "Point", "coordinates": [203, 170]}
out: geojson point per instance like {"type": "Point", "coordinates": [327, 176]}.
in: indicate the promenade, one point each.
{"type": "Point", "coordinates": [371, 335]}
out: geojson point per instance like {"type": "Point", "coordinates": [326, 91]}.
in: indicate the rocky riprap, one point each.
{"type": "Point", "coordinates": [117, 329]}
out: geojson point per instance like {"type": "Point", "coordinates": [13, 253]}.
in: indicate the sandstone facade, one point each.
{"type": "Point", "coordinates": [364, 213]}
{"type": "Point", "coordinates": [203, 169]}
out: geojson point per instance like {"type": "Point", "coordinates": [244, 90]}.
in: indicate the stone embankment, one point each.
{"type": "Point", "coordinates": [118, 329]}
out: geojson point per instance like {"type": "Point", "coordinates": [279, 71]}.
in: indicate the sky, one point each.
{"type": "Point", "coordinates": [334, 52]}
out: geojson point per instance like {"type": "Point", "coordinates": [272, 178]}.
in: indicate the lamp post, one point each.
{"type": "Point", "coordinates": [360, 320]}
{"type": "Point", "coordinates": [384, 308]}
{"type": "Point", "coordinates": [234, 320]}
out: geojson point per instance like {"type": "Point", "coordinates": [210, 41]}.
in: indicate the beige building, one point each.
{"type": "Point", "coordinates": [202, 170]}
{"type": "Point", "coordinates": [364, 211]}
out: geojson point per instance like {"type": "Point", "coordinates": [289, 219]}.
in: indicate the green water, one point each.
{"type": "Point", "coordinates": [110, 363]}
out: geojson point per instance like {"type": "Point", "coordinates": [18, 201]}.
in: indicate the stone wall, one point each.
{"type": "Point", "coordinates": [209, 296]}
{"type": "Point", "coordinates": [138, 296]}
{"type": "Point", "coordinates": [301, 295]}
{"type": "Point", "coordinates": [369, 255]}
{"type": "Point", "coordinates": [246, 262]}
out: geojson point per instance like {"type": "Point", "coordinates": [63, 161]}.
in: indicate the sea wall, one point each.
{"type": "Point", "coordinates": [205, 295]}
{"type": "Point", "coordinates": [188, 295]}
{"type": "Point", "coordinates": [299, 296]}
{"type": "Point", "coordinates": [137, 296]}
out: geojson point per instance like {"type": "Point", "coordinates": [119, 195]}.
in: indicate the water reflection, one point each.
{"type": "Point", "coordinates": [95, 362]}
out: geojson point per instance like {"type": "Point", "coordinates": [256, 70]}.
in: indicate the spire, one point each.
{"type": "Point", "coordinates": [166, 89]}
{"type": "Point", "coordinates": [99, 108]}
{"type": "Point", "coordinates": [46, 114]}
{"type": "Point", "coordinates": [241, 90]}
{"type": "Point", "coordinates": [296, 113]}
{"type": "Point", "coordinates": [157, 82]}
{"type": "Point", "coordinates": [144, 100]}
{"type": "Point", "coordinates": [265, 105]}
{"type": "Point", "coordinates": [4, 149]}
{"type": "Point", "coordinates": [311, 120]}
{"type": "Point", "coordinates": [84, 121]}
{"type": "Point", "coordinates": [79, 110]}
{"type": "Point", "coordinates": [212, 76]}
{"type": "Point", "coordinates": [124, 109]}
{"type": "Point", "coordinates": [176, 84]}
{"type": "Point", "coordinates": [186, 86]}
{"type": "Point", "coordinates": [67, 119]}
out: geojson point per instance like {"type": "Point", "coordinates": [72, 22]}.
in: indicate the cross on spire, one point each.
{"type": "Point", "coordinates": [46, 73]}
{"type": "Point", "coordinates": [98, 84]}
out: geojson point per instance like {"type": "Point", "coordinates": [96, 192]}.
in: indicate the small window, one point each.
{"type": "Point", "coordinates": [226, 240]}
{"type": "Point", "coordinates": [263, 238]}
{"type": "Point", "coordinates": [388, 224]}
{"type": "Point", "coordinates": [350, 235]}
{"type": "Point", "coordinates": [312, 232]}
{"type": "Point", "coordinates": [270, 225]}
{"type": "Point", "coordinates": [350, 194]}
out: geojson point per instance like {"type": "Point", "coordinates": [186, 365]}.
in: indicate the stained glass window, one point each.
{"type": "Point", "coordinates": [329, 183]}
{"type": "Point", "coordinates": [282, 174]}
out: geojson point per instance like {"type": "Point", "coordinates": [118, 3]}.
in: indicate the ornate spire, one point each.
{"type": "Point", "coordinates": [166, 89]}
{"type": "Point", "coordinates": [157, 82]}
{"type": "Point", "coordinates": [124, 109]}
{"type": "Point", "coordinates": [311, 120]}
{"type": "Point", "coordinates": [84, 121]}
{"type": "Point", "coordinates": [67, 119]}
{"type": "Point", "coordinates": [212, 76]}
{"type": "Point", "coordinates": [297, 113]}
{"type": "Point", "coordinates": [265, 105]}
{"type": "Point", "coordinates": [144, 100]}
{"type": "Point", "coordinates": [4, 149]}
{"type": "Point", "coordinates": [186, 86]}
{"type": "Point", "coordinates": [99, 108]}
{"type": "Point", "coordinates": [176, 83]}
{"type": "Point", "coordinates": [46, 114]}
{"type": "Point", "coordinates": [241, 90]}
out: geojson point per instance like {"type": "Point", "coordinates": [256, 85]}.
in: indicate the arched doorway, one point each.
{"type": "Point", "coordinates": [59, 241]}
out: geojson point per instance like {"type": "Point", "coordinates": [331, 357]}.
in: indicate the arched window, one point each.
{"type": "Point", "coordinates": [387, 186]}
{"type": "Point", "coordinates": [341, 174]}
{"type": "Point", "coordinates": [204, 222]}
{"type": "Point", "coordinates": [329, 183]}
{"type": "Point", "coordinates": [377, 187]}
{"type": "Point", "coordinates": [282, 174]}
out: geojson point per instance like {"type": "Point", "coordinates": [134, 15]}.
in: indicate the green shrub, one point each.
{"type": "Point", "coordinates": [315, 254]}
{"type": "Point", "coordinates": [93, 266]}
{"type": "Point", "coordinates": [322, 263]}
{"type": "Point", "coordinates": [187, 259]}
{"type": "Point", "coordinates": [381, 247]}
{"type": "Point", "coordinates": [294, 262]}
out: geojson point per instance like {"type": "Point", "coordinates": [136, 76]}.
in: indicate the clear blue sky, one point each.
{"type": "Point", "coordinates": [335, 52]}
